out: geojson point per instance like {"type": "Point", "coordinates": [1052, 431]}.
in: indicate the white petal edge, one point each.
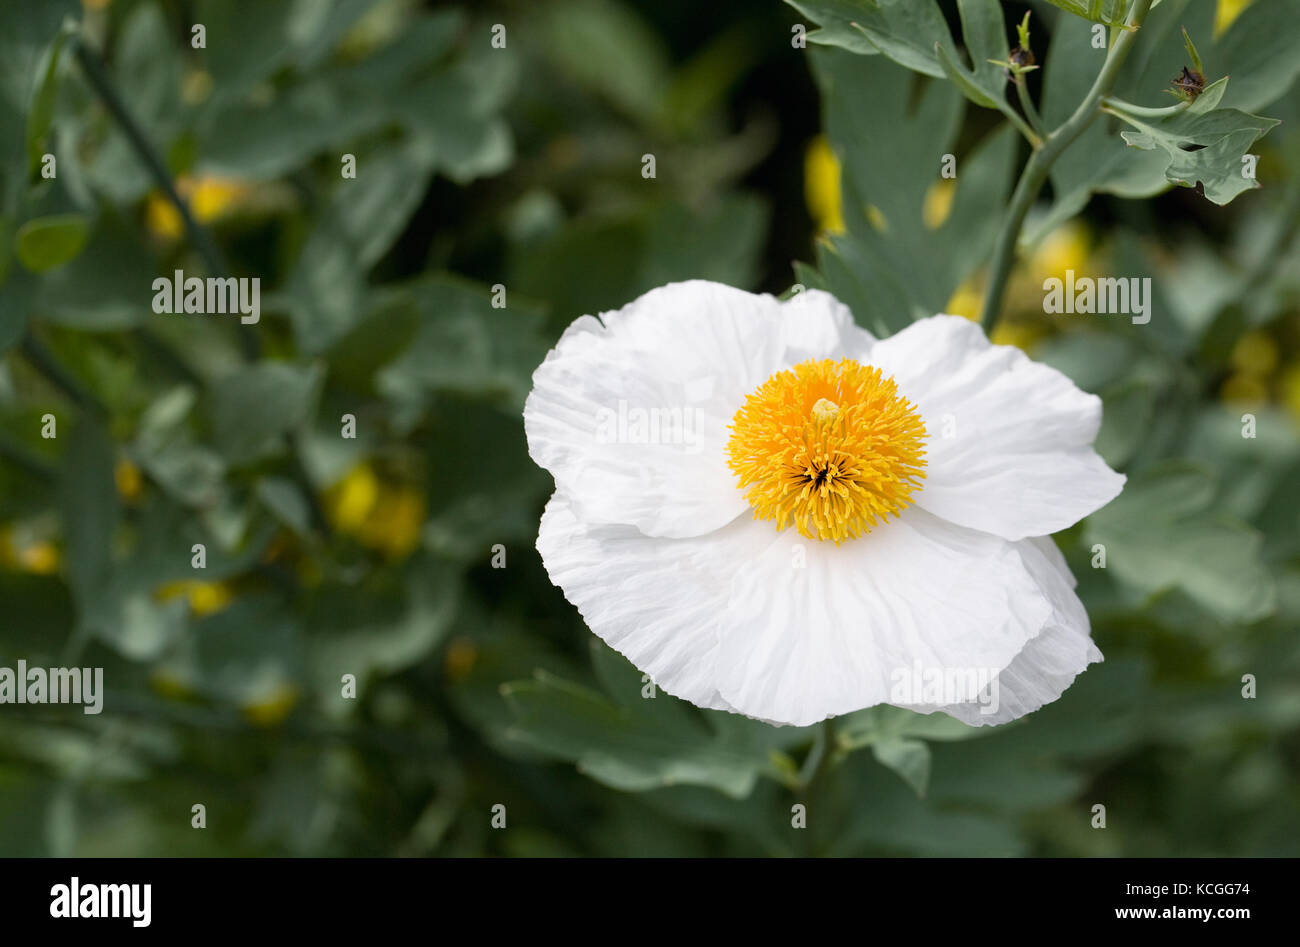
{"type": "Point", "coordinates": [629, 412]}
{"type": "Point", "coordinates": [655, 601]}
{"type": "Point", "coordinates": [1009, 447]}
{"type": "Point", "coordinates": [1051, 661]}
{"type": "Point", "coordinates": [789, 630]}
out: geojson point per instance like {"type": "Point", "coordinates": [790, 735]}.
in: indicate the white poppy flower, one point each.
{"type": "Point", "coordinates": [770, 511]}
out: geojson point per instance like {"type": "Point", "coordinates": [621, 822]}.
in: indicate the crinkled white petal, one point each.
{"type": "Point", "coordinates": [1009, 445]}
{"type": "Point", "coordinates": [814, 630]}
{"type": "Point", "coordinates": [656, 601]}
{"type": "Point", "coordinates": [1049, 662]}
{"type": "Point", "coordinates": [629, 412]}
{"type": "Point", "coordinates": [791, 630]}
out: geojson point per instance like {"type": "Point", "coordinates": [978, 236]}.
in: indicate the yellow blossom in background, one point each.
{"type": "Point", "coordinates": [387, 518]}
{"type": "Point", "coordinates": [39, 558]}
{"type": "Point", "coordinates": [1289, 388]}
{"type": "Point", "coordinates": [1245, 390]}
{"type": "Point", "coordinates": [938, 203]}
{"type": "Point", "coordinates": [350, 501]}
{"type": "Point", "coordinates": [205, 598]}
{"type": "Point", "coordinates": [1065, 248]}
{"type": "Point", "coordinates": [167, 683]}
{"type": "Point", "coordinates": [1228, 11]}
{"type": "Point", "coordinates": [95, 4]}
{"type": "Point", "coordinates": [130, 483]}
{"type": "Point", "coordinates": [196, 86]}
{"type": "Point", "coordinates": [272, 708]}
{"type": "Point", "coordinates": [821, 180]}
{"type": "Point", "coordinates": [966, 301]}
{"type": "Point", "coordinates": [396, 524]}
{"type": "Point", "coordinates": [22, 552]}
{"type": "Point", "coordinates": [1023, 335]}
{"type": "Point", "coordinates": [209, 197]}
{"type": "Point", "coordinates": [1255, 353]}
{"type": "Point", "coordinates": [460, 658]}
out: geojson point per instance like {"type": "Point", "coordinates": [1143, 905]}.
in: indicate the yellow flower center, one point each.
{"type": "Point", "coordinates": [830, 447]}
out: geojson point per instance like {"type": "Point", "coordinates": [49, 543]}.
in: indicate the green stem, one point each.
{"type": "Point", "coordinates": [1027, 103]}
{"type": "Point", "coordinates": [1040, 162]}
{"type": "Point", "coordinates": [1118, 108]}
{"type": "Point", "coordinates": [1032, 135]}
{"type": "Point", "coordinates": [824, 756]}
{"type": "Point", "coordinates": [821, 759]}
{"type": "Point", "coordinates": [43, 360]}
{"type": "Point", "coordinates": [207, 248]}
{"type": "Point", "coordinates": [202, 241]}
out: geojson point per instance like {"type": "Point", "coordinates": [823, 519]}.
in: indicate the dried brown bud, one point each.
{"type": "Point", "coordinates": [1021, 57]}
{"type": "Point", "coordinates": [1189, 84]}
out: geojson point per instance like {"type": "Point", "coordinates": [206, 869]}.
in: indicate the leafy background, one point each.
{"type": "Point", "coordinates": [372, 556]}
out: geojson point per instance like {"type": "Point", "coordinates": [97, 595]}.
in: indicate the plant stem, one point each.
{"type": "Point", "coordinates": [1032, 135]}
{"type": "Point", "coordinates": [207, 248]}
{"type": "Point", "coordinates": [1035, 172]}
{"type": "Point", "coordinates": [1027, 103]}
{"type": "Point", "coordinates": [43, 360]}
{"type": "Point", "coordinates": [1118, 107]}
{"type": "Point", "coordinates": [822, 757]}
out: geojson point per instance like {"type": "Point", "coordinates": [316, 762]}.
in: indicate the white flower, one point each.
{"type": "Point", "coordinates": [770, 511]}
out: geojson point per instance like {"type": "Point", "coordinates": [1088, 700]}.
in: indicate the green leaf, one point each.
{"type": "Point", "coordinates": [16, 295]}
{"type": "Point", "coordinates": [1204, 147]}
{"type": "Point", "coordinates": [907, 270]}
{"type": "Point", "coordinates": [27, 32]}
{"type": "Point", "coordinates": [190, 472]}
{"type": "Point", "coordinates": [1110, 12]}
{"type": "Point", "coordinates": [885, 722]}
{"type": "Point", "coordinates": [464, 344]}
{"type": "Point", "coordinates": [381, 627]}
{"type": "Point", "coordinates": [1162, 533]}
{"type": "Point", "coordinates": [42, 113]}
{"type": "Point", "coordinates": [985, 33]}
{"type": "Point", "coordinates": [90, 509]}
{"type": "Point", "coordinates": [1126, 419]}
{"type": "Point", "coordinates": [48, 242]}
{"type": "Point", "coordinates": [910, 759]}
{"type": "Point", "coordinates": [247, 40]}
{"type": "Point", "coordinates": [1261, 54]}
{"type": "Point", "coordinates": [610, 48]}
{"type": "Point", "coordinates": [107, 286]}
{"type": "Point", "coordinates": [622, 748]}
{"type": "Point", "coordinates": [254, 407]}
{"type": "Point", "coordinates": [838, 24]}
{"type": "Point", "coordinates": [907, 31]}
{"type": "Point", "coordinates": [1261, 51]}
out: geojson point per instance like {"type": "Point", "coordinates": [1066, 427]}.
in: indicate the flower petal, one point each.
{"type": "Point", "coordinates": [629, 412]}
{"type": "Point", "coordinates": [656, 601]}
{"type": "Point", "coordinates": [1009, 450]}
{"type": "Point", "coordinates": [1049, 662]}
{"type": "Point", "coordinates": [813, 630]}
{"type": "Point", "coordinates": [791, 631]}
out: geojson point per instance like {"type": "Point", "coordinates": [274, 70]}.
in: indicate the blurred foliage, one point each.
{"type": "Point", "coordinates": [518, 169]}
